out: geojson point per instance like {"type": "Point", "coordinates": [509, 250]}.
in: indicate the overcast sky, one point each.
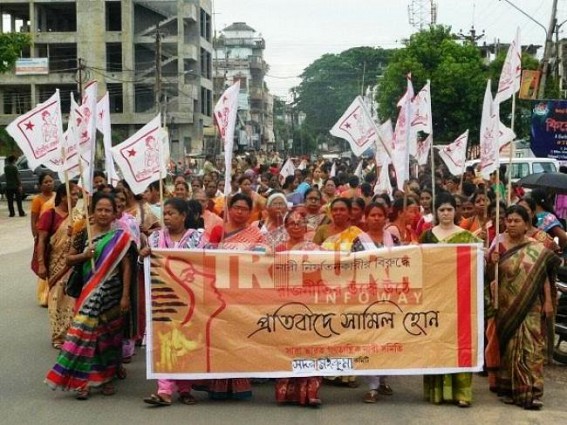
{"type": "Point", "coordinates": [297, 32]}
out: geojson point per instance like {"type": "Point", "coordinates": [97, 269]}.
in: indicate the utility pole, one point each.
{"type": "Point", "coordinates": [158, 87]}
{"type": "Point", "coordinates": [80, 68]}
{"type": "Point", "coordinates": [472, 36]}
{"type": "Point", "coordinates": [547, 50]}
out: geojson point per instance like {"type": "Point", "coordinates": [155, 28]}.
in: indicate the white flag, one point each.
{"type": "Point", "coordinates": [333, 171]}
{"type": "Point", "coordinates": [455, 154]}
{"type": "Point", "coordinates": [140, 157]}
{"type": "Point", "coordinates": [356, 127]}
{"type": "Point", "coordinates": [103, 125]}
{"type": "Point", "coordinates": [87, 135]}
{"type": "Point", "coordinates": [70, 162]}
{"type": "Point", "coordinates": [39, 132]}
{"type": "Point", "coordinates": [489, 134]}
{"type": "Point", "coordinates": [288, 169]}
{"type": "Point", "coordinates": [302, 165]}
{"type": "Point", "coordinates": [386, 136]}
{"type": "Point", "coordinates": [358, 170]}
{"type": "Point", "coordinates": [423, 149]}
{"type": "Point", "coordinates": [505, 135]}
{"type": "Point", "coordinates": [402, 133]}
{"type": "Point", "coordinates": [225, 117]}
{"type": "Point", "coordinates": [383, 184]}
{"type": "Point", "coordinates": [511, 76]}
{"type": "Point", "coordinates": [421, 120]}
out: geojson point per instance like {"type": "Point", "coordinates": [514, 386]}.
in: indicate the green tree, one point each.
{"type": "Point", "coordinates": [458, 80]}
{"type": "Point", "coordinates": [332, 82]}
{"type": "Point", "coordinates": [11, 44]}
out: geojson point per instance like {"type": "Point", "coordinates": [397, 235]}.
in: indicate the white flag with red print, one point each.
{"type": "Point", "coordinates": [103, 125]}
{"type": "Point", "coordinates": [39, 133]}
{"type": "Point", "coordinates": [423, 149]}
{"type": "Point", "coordinates": [386, 139]}
{"type": "Point", "coordinates": [402, 134]}
{"type": "Point", "coordinates": [511, 76]}
{"type": "Point", "coordinates": [489, 135]}
{"type": "Point", "coordinates": [70, 163]}
{"type": "Point", "coordinates": [356, 127]}
{"type": "Point", "coordinates": [383, 184]}
{"type": "Point", "coordinates": [421, 121]}
{"type": "Point", "coordinates": [288, 169]}
{"type": "Point", "coordinates": [455, 154]}
{"type": "Point", "coordinates": [141, 157]}
{"type": "Point", "coordinates": [225, 117]}
{"type": "Point", "coordinates": [87, 135]}
{"type": "Point", "coordinates": [505, 135]}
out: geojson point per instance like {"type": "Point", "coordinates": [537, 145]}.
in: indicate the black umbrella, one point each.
{"type": "Point", "coordinates": [556, 182]}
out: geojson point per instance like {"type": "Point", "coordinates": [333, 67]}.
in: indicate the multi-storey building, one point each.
{"type": "Point", "coordinates": [115, 42]}
{"type": "Point", "coordinates": [239, 55]}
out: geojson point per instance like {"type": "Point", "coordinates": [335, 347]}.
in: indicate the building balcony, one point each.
{"type": "Point", "coordinates": [256, 62]}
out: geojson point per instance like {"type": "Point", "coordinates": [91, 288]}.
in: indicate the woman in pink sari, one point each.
{"type": "Point", "coordinates": [305, 390]}
{"type": "Point", "coordinates": [180, 233]}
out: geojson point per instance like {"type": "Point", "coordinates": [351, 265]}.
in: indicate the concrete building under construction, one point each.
{"type": "Point", "coordinates": [116, 42]}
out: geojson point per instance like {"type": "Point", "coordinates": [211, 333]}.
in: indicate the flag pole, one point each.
{"type": "Point", "coordinates": [86, 206]}
{"type": "Point", "coordinates": [497, 225]}
{"type": "Point", "coordinates": [509, 188]}
{"type": "Point", "coordinates": [432, 173]}
{"type": "Point", "coordinates": [67, 185]}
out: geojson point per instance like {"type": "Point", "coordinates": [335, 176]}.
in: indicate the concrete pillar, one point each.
{"type": "Point", "coordinates": [91, 31]}
{"type": "Point", "coordinates": [128, 53]}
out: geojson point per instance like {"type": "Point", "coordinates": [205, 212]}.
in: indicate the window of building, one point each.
{"type": "Point", "coordinates": [205, 25]}
{"type": "Point", "coordinates": [206, 64]}
{"type": "Point", "coordinates": [115, 97]}
{"type": "Point", "coordinates": [56, 17]}
{"type": "Point", "coordinates": [113, 16]}
{"type": "Point", "coordinates": [114, 57]}
{"type": "Point", "coordinates": [16, 100]}
{"type": "Point", "coordinates": [144, 98]}
{"type": "Point", "coordinates": [206, 102]}
{"type": "Point", "coordinates": [45, 91]}
{"type": "Point", "coordinates": [62, 56]}
{"type": "Point", "coordinates": [243, 81]}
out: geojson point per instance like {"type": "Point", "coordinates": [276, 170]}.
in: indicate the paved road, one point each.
{"type": "Point", "coordinates": [26, 355]}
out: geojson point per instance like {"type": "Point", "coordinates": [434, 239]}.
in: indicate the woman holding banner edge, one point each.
{"type": "Point", "coordinates": [454, 387]}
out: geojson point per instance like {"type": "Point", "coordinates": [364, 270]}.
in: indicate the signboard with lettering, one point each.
{"type": "Point", "coordinates": [32, 66]}
{"type": "Point", "coordinates": [227, 314]}
{"type": "Point", "coordinates": [549, 129]}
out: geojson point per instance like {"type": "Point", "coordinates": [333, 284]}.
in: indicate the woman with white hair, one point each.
{"type": "Point", "coordinates": [272, 226]}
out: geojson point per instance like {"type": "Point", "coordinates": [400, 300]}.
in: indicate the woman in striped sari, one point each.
{"type": "Point", "coordinates": [91, 353]}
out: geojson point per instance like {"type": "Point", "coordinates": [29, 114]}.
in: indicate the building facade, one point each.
{"type": "Point", "coordinates": [116, 42]}
{"type": "Point", "coordinates": [239, 55]}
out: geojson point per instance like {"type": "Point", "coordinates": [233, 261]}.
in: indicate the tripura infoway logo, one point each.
{"type": "Point", "coordinates": [541, 109]}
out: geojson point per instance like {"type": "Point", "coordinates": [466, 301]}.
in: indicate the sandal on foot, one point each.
{"type": "Point", "coordinates": [157, 400]}
{"type": "Point", "coordinates": [371, 396]}
{"type": "Point", "coordinates": [534, 405]}
{"type": "Point", "coordinates": [187, 398]}
{"type": "Point", "coordinates": [108, 389]}
{"type": "Point", "coordinates": [82, 394]}
{"type": "Point", "coordinates": [315, 402]}
{"type": "Point", "coordinates": [507, 400]}
{"type": "Point", "coordinates": [463, 403]}
{"type": "Point", "coordinates": [121, 373]}
{"type": "Point", "coordinates": [57, 345]}
{"type": "Point", "coordinates": [385, 389]}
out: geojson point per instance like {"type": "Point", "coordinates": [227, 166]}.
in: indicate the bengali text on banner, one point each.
{"type": "Point", "coordinates": [226, 314]}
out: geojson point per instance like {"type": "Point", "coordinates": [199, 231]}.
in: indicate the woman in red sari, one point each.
{"type": "Point", "coordinates": [305, 390]}
{"type": "Point", "coordinates": [238, 235]}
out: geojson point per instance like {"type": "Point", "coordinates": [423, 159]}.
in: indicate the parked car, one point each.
{"type": "Point", "coordinates": [522, 167]}
{"type": "Point", "coordinates": [28, 177]}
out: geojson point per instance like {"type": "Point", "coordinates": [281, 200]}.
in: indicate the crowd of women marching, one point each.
{"type": "Point", "coordinates": [98, 329]}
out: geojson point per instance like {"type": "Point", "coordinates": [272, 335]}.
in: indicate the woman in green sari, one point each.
{"type": "Point", "coordinates": [524, 302]}
{"type": "Point", "coordinates": [454, 387]}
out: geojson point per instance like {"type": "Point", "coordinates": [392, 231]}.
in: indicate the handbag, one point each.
{"type": "Point", "coordinates": [46, 249]}
{"type": "Point", "coordinates": [74, 284]}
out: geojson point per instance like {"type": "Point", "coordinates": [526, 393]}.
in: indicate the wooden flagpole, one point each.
{"type": "Point", "coordinates": [509, 170]}
{"type": "Point", "coordinates": [86, 207]}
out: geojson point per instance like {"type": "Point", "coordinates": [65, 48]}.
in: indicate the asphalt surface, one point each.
{"type": "Point", "coordinates": [26, 356]}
